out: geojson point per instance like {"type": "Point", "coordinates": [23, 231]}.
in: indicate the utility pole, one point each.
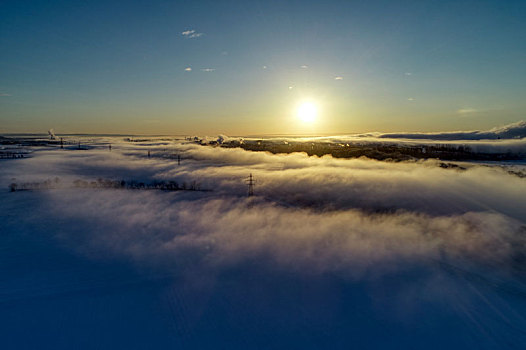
{"type": "Point", "coordinates": [61, 143]}
{"type": "Point", "coordinates": [178, 159]}
{"type": "Point", "coordinates": [251, 182]}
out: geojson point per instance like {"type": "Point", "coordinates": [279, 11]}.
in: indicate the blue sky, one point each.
{"type": "Point", "coordinates": [119, 67]}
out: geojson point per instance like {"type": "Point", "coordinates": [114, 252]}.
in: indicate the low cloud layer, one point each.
{"type": "Point", "coordinates": [170, 229]}
{"type": "Point", "coordinates": [323, 214]}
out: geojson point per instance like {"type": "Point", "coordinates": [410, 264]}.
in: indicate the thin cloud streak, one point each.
{"type": "Point", "coordinates": [467, 110]}
{"type": "Point", "coordinates": [192, 34]}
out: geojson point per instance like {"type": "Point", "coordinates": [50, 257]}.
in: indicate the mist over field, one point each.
{"type": "Point", "coordinates": [327, 251]}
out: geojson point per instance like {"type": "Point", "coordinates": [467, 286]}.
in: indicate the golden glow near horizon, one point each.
{"type": "Point", "coordinates": [307, 112]}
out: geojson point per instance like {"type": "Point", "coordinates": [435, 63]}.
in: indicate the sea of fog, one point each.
{"type": "Point", "coordinates": [328, 253]}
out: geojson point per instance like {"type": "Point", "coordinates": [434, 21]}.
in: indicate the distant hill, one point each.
{"type": "Point", "coordinates": [510, 131]}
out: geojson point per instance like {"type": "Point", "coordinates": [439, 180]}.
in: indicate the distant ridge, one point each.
{"type": "Point", "coordinates": [511, 131]}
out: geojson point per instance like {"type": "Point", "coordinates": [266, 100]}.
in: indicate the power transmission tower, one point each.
{"type": "Point", "coordinates": [251, 182]}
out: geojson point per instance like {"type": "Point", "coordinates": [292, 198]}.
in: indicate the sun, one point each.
{"type": "Point", "coordinates": [307, 112]}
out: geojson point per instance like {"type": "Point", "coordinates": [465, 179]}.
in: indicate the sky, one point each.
{"type": "Point", "coordinates": [246, 67]}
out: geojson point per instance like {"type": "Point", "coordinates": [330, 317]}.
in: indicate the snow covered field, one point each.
{"type": "Point", "coordinates": [329, 253]}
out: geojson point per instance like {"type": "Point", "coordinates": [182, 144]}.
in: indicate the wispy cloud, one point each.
{"type": "Point", "coordinates": [188, 69]}
{"type": "Point", "coordinates": [4, 94]}
{"type": "Point", "coordinates": [208, 69]}
{"type": "Point", "coordinates": [304, 67]}
{"type": "Point", "coordinates": [192, 34]}
{"type": "Point", "coordinates": [408, 73]}
{"type": "Point", "coordinates": [338, 78]}
{"type": "Point", "coordinates": [467, 110]}
{"type": "Point", "coordinates": [410, 99]}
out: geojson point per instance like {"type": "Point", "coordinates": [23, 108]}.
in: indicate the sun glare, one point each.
{"type": "Point", "coordinates": [307, 112]}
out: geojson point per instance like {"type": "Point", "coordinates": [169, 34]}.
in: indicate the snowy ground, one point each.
{"type": "Point", "coordinates": [329, 253]}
